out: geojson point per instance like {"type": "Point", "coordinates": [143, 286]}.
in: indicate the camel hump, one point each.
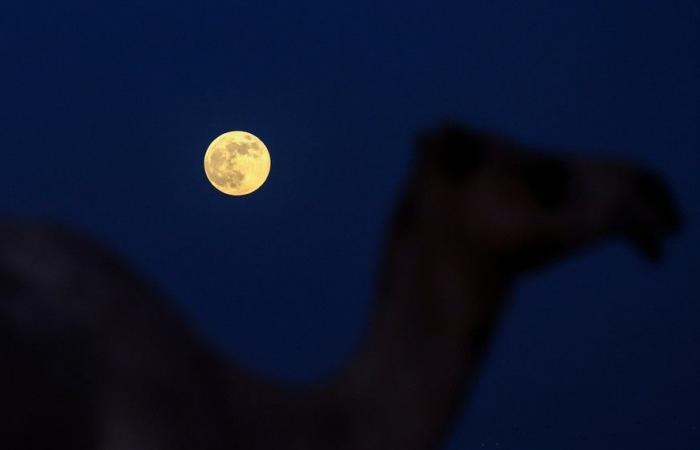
{"type": "Point", "coordinates": [82, 336]}
{"type": "Point", "coordinates": [47, 375]}
{"type": "Point", "coordinates": [48, 387]}
{"type": "Point", "coordinates": [50, 272]}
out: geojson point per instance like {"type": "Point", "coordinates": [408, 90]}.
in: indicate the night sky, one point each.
{"type": "Point", "coordinates": [106, 111]}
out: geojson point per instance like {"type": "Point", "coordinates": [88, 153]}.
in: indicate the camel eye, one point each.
{"type": "Point", "coordinates": [549, 182]}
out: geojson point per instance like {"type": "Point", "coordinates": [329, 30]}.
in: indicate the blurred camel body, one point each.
{"type": "Point", "coordinates": [93, 358]}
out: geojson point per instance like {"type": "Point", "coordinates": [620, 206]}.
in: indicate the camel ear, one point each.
{"type": "Point", "coordinates": [456, 150]}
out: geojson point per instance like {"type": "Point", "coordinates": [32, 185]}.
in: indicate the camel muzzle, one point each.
{"type": "Point", "coordinates": [650, 215]}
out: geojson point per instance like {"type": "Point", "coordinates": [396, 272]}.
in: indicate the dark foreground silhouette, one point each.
{"type": "Point", "coordinates": [92, 357]}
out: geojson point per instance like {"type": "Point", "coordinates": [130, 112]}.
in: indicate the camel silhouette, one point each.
{"type": "Point", "coordinates": [93, 357]}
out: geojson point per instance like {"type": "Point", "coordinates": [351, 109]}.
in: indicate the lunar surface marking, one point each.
{"type": "Point", "coordinates": [237, 163]}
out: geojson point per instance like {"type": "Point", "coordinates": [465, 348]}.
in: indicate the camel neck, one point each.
{"type": "Point", "coordinates": [435, 311]}
{"type": "Point", "coordinates": [403, 387]}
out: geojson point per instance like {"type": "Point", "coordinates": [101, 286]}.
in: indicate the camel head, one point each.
{"type": "Point", "coordinates": [520, 207]}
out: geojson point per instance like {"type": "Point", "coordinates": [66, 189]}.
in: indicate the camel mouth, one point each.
{"type": "Point", "coordinates": [651, 248]}
{"type": "Point", "coordinates": [650, 240]}
{"type": "Point", "coordinates": [651, 217]}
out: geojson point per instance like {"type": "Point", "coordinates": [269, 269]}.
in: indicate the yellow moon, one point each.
{"type": "Point", "coordinates": [237, 163]}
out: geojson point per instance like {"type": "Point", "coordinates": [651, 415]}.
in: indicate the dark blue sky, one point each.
{"type": "Point", "coordinates": [106, 110]}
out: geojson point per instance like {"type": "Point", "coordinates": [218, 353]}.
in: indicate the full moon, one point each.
{"type": "Point", "coordinates": [237, 163]}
